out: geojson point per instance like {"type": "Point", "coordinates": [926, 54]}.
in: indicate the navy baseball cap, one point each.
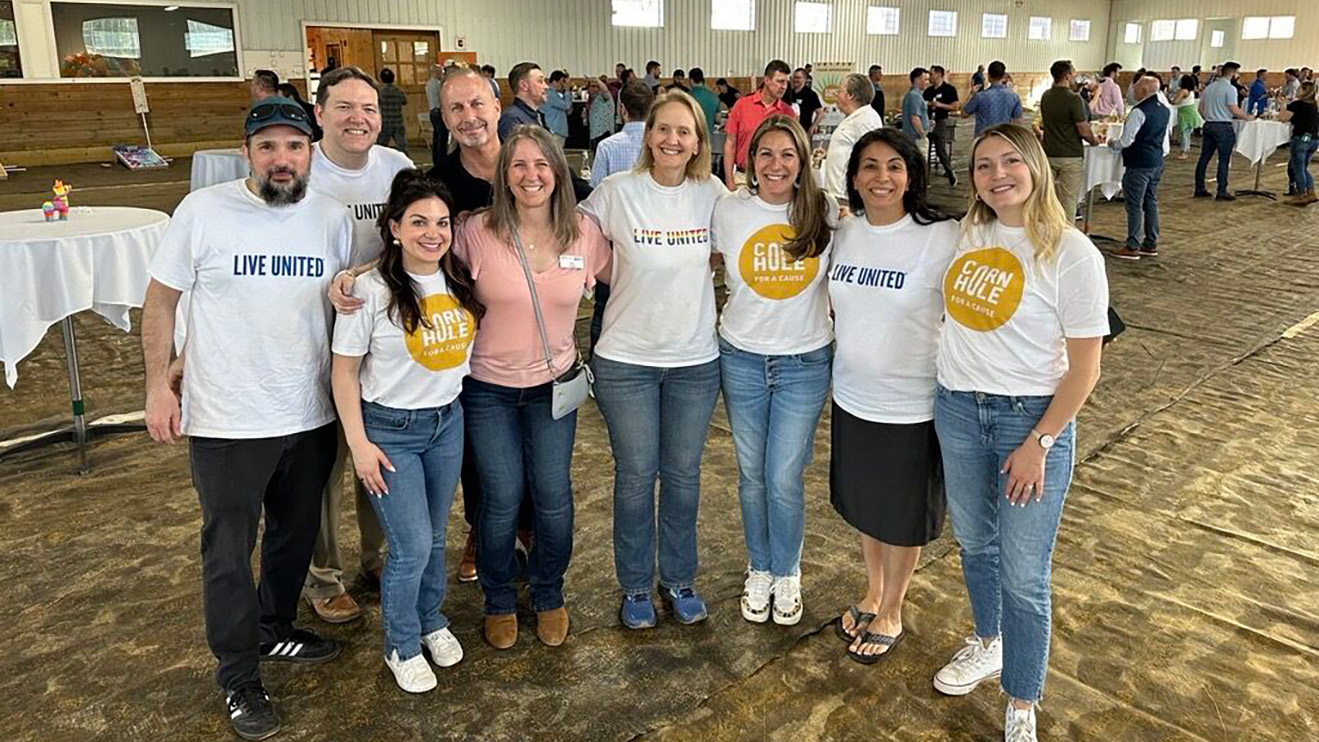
{"type": "Point", "coordinates": [276, 111]}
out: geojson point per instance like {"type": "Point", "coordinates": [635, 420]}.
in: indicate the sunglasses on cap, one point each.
{"type": "Point", "coordinates": [267, 111]}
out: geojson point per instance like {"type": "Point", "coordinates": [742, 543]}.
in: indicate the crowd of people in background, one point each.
{"type": "Point", "coordinates": [424, 336]}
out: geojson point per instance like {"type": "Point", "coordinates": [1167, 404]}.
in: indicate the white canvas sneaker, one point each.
{"type": "Point", "coordinates": [787, 600]}
{"type": "Point", "coordinates": [755, 596]}
{"type": "Point", "coordinates": [444, 648]}
{"type": "Point", "coordinates": [412, 675]}
{"type": "Point", "coordinates": [1018, 725]}
{"type": "Point", "coordinates": [972, 665]}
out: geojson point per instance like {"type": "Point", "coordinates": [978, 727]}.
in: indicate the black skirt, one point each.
{"type": "Point", "coordinates": [886, 480]}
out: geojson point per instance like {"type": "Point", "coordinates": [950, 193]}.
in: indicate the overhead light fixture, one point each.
{"type": "Point", "coordinates": [168, 8]}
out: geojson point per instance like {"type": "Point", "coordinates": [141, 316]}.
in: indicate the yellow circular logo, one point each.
{"type": "Point", "coordinates": [982, 289]}
{"type": "Point", "coordinates": [444, 344]}
{"type": "Point", "coordinates": [769, 270]}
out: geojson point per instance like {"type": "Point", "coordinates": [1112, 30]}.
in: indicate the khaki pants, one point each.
{"type": "Point", "coordinates": [1068, 174]}
{"type": "Point", "coordinates": [325, 576]}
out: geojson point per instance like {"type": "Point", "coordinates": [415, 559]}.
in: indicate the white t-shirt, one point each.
{"type": "Point", "coordinates": [408, 371]}
{"type": "Point", "coordinates": [776, 305]}
{"type": "Point", "coordinates": [885, 286]}
{"type": "Point", "coordinates": [259, 326]}
{"type": "Point", "coordinates": [661, 299]}
{"type": "Point", "coordinates": [363, 191]}
{"type": "Point", "coordinates": [1009, 316]}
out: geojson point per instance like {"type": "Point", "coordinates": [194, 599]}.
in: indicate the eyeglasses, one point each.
{"type": "Point", "coordinates": [267, 111]}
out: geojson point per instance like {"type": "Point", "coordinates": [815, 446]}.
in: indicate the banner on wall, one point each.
{"type": "Point", "coordinates": [828, 79]}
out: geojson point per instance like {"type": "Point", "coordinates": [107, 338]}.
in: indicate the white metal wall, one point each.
{"type": "Point", "coordinates": [577, 34]}
{"type": "Point", "coordinates": [1300, 50]}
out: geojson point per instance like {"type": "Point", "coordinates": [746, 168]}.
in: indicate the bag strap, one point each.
{"type": "Point", "coordinates": [535, 304]}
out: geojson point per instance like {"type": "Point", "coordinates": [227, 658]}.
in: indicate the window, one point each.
{"type": "Point", "coordinates": [994, 26]}
{"type": "Point", "coordinates": [1163, 30]}
{"type": "Point", "coordinates": [1080, 31]}
{"type": "Point", "coordinates": [881, 21]}
{"type": "Point", "coordinates": [645, 13]}
{"type": "Point", "coordinates": [813, 18]}
{"type": "Point", "coordinates": [9, 61]}
{"type": "Point", "coordinates": [203, 39]}
{"type": "Point", "coordinates": [1216, 39]}
{"type": "Point", "coordinates": [943, 23]}
{"type": "Point", "coordinates": [733, 15]}
{"type": "Point", "coordinates": [1187, 29]}
{"type": "Point", "coordinates": [122, 40]}
{"type": "Point", "coordinates": [1131, 34]}
{"type": "Point", "coordinates": [1040, 28]}
{"type": "Point", "coordinates": [1264, 27]}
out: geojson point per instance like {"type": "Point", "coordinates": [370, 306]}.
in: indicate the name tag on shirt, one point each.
{"type": "Point", "coordinates": [572, 262]}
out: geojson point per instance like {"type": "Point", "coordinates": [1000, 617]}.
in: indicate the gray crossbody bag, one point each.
{"type": "Point", "coordinates": [571, 389]}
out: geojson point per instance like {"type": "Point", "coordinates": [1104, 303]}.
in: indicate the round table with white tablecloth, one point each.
{"type": "Point", "coordinates": [1256, 140]}
{"type": "Point", "coordinates": [49, 271]}
{"type": "Point", "coordinates": [211, 166]}
{"type": "Point", "coordinates": [1103, 170]}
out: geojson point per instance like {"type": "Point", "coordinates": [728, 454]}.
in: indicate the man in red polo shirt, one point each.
{"type": "Point", "coordinates": [747, 114]}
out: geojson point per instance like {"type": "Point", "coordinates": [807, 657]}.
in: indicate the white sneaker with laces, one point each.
{"type": "Point", "coordinates": [1018, 725]}
{"type": "Point", "coordinates": [755, 596]}
{"type": "Point", "coordinates": [444, 647]}
{"type": "Point", "coordinates": [972, 665]}
{"type": "Point", "coordinates": [413, 675]}
{"type": "Point", "coordinates": [787, 600]}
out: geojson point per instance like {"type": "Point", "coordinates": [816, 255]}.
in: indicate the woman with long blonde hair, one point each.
{"type": "Point", "coordinates": [774, 353]}
{"type": "Point", "coordinates": [657, 363]}
{"type": "Point", "coordinates": [1026, 302]}
{"type": "Point", "coordinates": [531, 256]}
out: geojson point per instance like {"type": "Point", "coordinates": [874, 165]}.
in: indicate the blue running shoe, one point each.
{"type": "Point", "coordinates": [686, 605]}
{"type": "Point", "coordinates": [638, 612]}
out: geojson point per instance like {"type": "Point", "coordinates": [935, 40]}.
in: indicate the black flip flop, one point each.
{"type": "Point", "coordinates": [858, 618]}
{"type": "Point", "coordinates": [869, 637]}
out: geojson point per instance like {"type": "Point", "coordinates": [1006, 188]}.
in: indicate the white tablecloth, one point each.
{"type": "Point", "coordinates": [1257, 139]}
{"type": "Point", "coordinates": [211, 166]}
{"type": "Point", "coordinates": [50, 270]}
{"type": "Point", "coordinates": [1103, 168]}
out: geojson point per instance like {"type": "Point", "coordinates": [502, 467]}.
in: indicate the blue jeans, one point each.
{"type": "Point", "coordinates": [1140, 187]}
{"type": "Point", "coordinates": [1299, 162]}
{"type": "Point", "coordinates": [520, 451]}
{"type": "Point", "coordinates": [1219, 137]}
{"type": "Point", "coordinates": [657, 420]}
{"type": "Point", "coordinates": [1006, 551]}
{"type": "Point", "coordinates": [774, 405]}
{"type": "Point", "coordinates": [426, 448]}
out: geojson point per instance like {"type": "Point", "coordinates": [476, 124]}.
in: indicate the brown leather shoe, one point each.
{"type": "Point", "coordinates": [467, 567]}
{"type": "Point", "coordinates": [339, 609]}
{"type": "Point", "coordinates": [552, 626]}
{"type": "Point", "coordinates": [502, 630]}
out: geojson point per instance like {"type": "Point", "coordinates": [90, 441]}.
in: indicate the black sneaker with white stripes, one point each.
{"type": "Point", "coordinates": [301, 646]}
{"type": "Point", "coordinates": [250, 712]}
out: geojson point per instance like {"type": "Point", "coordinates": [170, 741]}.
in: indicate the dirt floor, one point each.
{"type": "Point", "coordinates": [1186, 579]}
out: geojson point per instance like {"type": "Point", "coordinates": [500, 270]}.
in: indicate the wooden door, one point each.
{"type": "Point", "coordinates": [410, 54]}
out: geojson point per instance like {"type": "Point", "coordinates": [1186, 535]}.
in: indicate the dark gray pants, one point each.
{"type": "Point", "coordinates": [236, 480]}
{"type": "Point", "coordinates": [942, 147]}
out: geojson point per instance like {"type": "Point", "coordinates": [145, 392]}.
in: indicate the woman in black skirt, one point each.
{"type": "Point", "coordinates": [885, 476]}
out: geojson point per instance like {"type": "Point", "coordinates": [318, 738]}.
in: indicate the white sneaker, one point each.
{"type": "Point", "coordinates": [971, 665]}
{"type": "Point", "coordinates": [755, 596]}
{"type": "Point", "coordinates": [1018, 725]}
{"type": "Point", "coordinates": [413, 675]}
{"type": "Point", "coordinates": [787, 600]}
{"type": "Point", "coordinates": [444, 648]}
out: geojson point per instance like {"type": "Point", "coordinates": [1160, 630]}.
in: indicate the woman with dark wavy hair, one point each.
{"type": "Point", "coordinates": [885, 476]}
{"type": "Point", "coordinates": [398, 368]}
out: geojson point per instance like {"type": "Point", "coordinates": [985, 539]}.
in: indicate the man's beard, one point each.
{"type": "Point", "coordinates": [282, 195]}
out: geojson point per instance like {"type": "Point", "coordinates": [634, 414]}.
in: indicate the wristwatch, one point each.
{"type": "Point", "coordinates": [1045, 440]}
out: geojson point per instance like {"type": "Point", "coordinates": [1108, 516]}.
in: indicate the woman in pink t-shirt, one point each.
{"type": "Point", "coordinates": [518, 448]}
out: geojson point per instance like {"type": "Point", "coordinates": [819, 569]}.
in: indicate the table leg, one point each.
{"type": "Point", "coordinates": [1085, 225]}
{"type": "Point", "coordinates": [1256, 191]}
{"type": "Point", "coordinates": [75, 392]}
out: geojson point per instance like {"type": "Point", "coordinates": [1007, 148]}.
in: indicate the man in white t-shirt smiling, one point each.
{"type": "Point", "coordinates": [257, 255]}
{"type": "Point", "coordinates": [350, 167]}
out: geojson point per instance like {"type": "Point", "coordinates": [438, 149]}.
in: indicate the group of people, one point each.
{"type": "Point", "coordinates": [350, 310]}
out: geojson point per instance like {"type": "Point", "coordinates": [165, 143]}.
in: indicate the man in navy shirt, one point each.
{"type": "Point", "coordinates": [995, 104]}
{"type": "Point", "coordinates": [529, 92]}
